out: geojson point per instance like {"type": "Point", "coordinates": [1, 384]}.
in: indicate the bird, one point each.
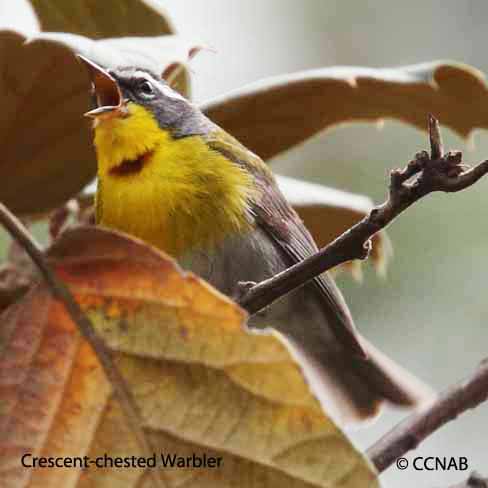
{"type": "Point", "coordinates": [171, 177]}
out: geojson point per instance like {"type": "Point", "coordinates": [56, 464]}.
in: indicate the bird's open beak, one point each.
{"type": "Point", "coordinates": [109, 98]}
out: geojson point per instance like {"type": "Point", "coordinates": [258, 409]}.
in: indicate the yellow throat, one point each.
{"type": "Point", "coordinates": [177, 194]}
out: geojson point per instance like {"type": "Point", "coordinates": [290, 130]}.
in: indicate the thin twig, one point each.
{"type": "Point", "coordinates": [127, 402]}
{"type": "Point", "coordinates": [412, 431]}
{"type": "Point", "coordinates": [474, 481]}
{"type": "Point", "coordinates": [438, 172]}
{"type": "Point", "coordinates": [436, 146]}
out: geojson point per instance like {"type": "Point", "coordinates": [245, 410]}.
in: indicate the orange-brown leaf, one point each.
{"type": "Point", "coordinates": [203, 382]}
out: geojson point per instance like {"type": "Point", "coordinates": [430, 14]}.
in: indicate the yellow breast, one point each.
{"type": "Point", "coordinates": [184, 195]}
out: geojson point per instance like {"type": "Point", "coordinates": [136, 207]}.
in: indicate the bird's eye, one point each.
{"type": "Point", "coordinates": [146, 89]}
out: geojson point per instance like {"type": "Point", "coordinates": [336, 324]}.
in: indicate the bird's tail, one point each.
{"type": "Point", "coordinates": [353, 389]}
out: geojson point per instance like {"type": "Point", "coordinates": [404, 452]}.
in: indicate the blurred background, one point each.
{"type": "Point", "coordinates": [430, 312]}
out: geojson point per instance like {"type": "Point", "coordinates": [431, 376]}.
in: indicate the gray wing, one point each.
{"type": "Point", "coordinates": [282, 224]}
{"type": "Point", "coordinates": [284, 227]}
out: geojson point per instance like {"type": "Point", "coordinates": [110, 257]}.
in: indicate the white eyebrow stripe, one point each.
{"type": "Point", "coordinates": [165, 90]}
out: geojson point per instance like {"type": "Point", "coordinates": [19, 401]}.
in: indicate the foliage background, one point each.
{"type": "Point", "coordinates": [430, 311]}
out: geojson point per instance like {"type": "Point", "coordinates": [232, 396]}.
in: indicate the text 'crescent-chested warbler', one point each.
{"type": "Point", "coordinates": [171, 177]}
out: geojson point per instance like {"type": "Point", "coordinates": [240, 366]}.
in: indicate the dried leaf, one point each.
{"type": "Point", "coordinates": [328, 212]}
{"type": "Point", "coordinates": [64, 217]}
{"type": "Point", "coordinates": [109, 18]}
{"type": "Point", "coordinates": [47, 151]}
{"type": "Point", "coordinates": [275, 114]}
{"type": "Point", "coordinates": [204, 384]}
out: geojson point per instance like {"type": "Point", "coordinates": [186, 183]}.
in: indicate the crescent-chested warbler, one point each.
{"type": "Point", "coordinates": [171, 177]}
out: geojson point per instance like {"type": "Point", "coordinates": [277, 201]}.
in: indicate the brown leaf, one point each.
{"type": "Point", "coordinates": [47, 151]}
{"type": "Point", "coordinates": [109, 18]}
{"type": "Point", "coordinates": [328, 212]}
{"type": "Point", "coordinates": [269, 117]}
{"type": "Point", "coordinates": [203, 383]}
{"type": "Point", "coordinates": [275, 114]}
{"type": "Point", "coordinates": [63, 217]}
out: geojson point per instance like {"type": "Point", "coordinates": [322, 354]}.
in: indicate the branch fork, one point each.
{"type": "Point", "coordinates": [423, 175]}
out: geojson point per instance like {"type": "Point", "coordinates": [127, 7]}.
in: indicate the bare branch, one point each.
{"type": "Point", "coordinates": [474, 481]}
{"type": "Point", "coordinates": [438, 172]}
{"type": "Point", "coordinates": [436, 146]}
{"type": "Point", "coordinates": [412, 431]}
{"type": "Point", "coordinates": [62, 293]}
